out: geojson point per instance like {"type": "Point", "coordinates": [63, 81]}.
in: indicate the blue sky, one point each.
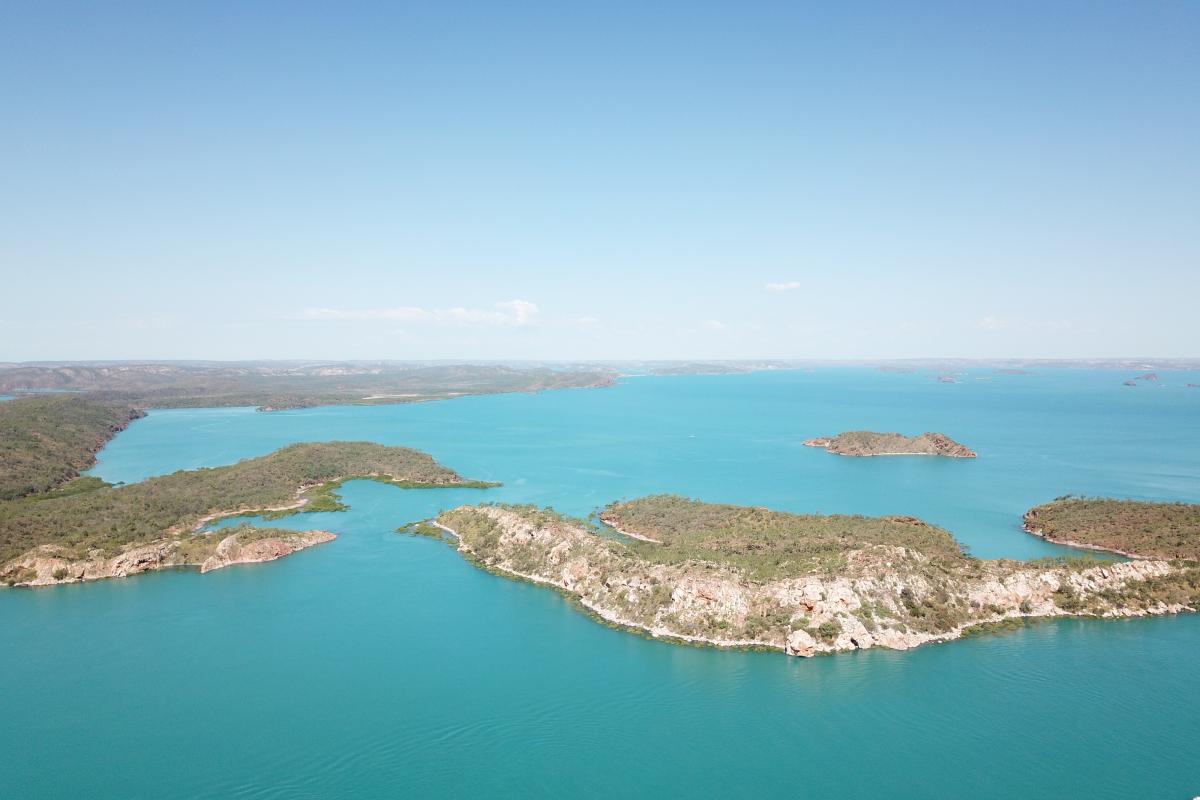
{"type": "Point", "coordinates": [599, 180]}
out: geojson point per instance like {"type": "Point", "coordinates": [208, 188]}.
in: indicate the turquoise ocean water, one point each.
{"type": "Point", "coordinates": [383, 665]}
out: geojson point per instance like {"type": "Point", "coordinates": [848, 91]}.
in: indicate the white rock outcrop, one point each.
{"type": "Point", "coordinates": [886, 596]}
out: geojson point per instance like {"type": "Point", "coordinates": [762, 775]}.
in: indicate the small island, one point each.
{"type": "Point", "coordinates": [734, 576]}
{"type": "Point", "coordinates": [869, 443]}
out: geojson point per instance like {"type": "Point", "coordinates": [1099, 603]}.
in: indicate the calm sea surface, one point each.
{"type": "Point", "coordinates": [383, 665]}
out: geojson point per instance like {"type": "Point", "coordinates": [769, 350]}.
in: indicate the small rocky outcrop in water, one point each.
{"type": "Point", "coordinates": [869, 443]}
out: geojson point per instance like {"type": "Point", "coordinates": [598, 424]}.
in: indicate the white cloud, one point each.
{"type": "Point", "coordinates": [715, 324]}
{"type": "Point", "coordinates": [990, 322]}
{"type": "Point", "coordinates": [785, 286]}
{"type": "Point", "coordinates": [514, 313]}
{"type": "Point", "coordinates": [523, 312]}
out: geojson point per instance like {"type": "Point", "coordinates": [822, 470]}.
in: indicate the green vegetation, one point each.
{"type": "Point", "coordinates": [324, 497]}
{"type": "Point", "coordinates": [1155, 530]}
{"type": "Point", "coordinates": [279, 385]}
{"type": "Point", "coordinates": [1180, 588]}
{"type": "Point", "coordinates": [46, 440]}
{"type": "Point", "coordinates": [767, 544]}
{"type": "Point", "coordinates": [110, 518]}
{"type": "Point", "coordinates": [714, 542]}
{"type": "Point", "coordinates": [734, 575]}
{"type": "Point", "coordinates": [1006, 625]}
{"type": "Point", "coordinates": [76, 486]}
{"type": "Point", "coordinates": [425, 529]}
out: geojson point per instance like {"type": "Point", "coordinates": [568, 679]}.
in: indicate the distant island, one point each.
{"type": "Point", "coordinates": [56, 527]}
{"type": "Point", "coordinates": [869, 443]}
{"type": "Point", "coordinates": [733, 576]}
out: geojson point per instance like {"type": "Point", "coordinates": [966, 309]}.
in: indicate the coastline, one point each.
{"type": "Point", "coordinates": [46, 567]}
{"type": "Point", "coordinates": [877, 455]}
{"type": "Point", "coordinates": [609, 520]}
{"type": "Point", "coordinates": [1027, 527]}
{"type": "Point", "coordinates": [185, 544]}
{"type": "Point", "coordinates": [859, 444]}
{"type": "Point", "coordinates": [599, 613]}
{"type": "Point", "coordinates": [1002, 593]}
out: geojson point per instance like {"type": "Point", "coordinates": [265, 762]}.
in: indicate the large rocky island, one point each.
{"type": "Point", "coordinates": [869, 443]}
{"type": "Point", "coordinates": [734, 576]}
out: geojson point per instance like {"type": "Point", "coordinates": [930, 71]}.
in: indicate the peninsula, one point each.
{"type": "Point", "coordinates": [58, 527]}
{"type": "Point", "coordinates": [869, 443]}
{"type": "Point", "coordinates": [732, 576]}
{"type": "Point", "coordinates": [1129, 527]}
{"type": "Point", "coordinates": [92, 531]}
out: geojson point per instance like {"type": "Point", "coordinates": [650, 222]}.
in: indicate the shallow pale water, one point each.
{"type": "Point", "coordinates": [383, 665]}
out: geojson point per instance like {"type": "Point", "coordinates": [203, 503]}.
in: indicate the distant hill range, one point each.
{"type": "Point", "coordinates": [272, 385]}
{"type": "Point", "coordinates": [280, 385]}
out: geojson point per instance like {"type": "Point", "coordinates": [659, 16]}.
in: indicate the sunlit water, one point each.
{"type": "Point", "coordinates": [383, 665]}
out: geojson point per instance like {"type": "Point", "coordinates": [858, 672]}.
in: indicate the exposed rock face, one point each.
{"type": "Point", "coordinates": [869, 443]}
{"type": "Point", "coordinates": [47, 566]}
{"type": "Point", "coordinates": [800, 643]}
{"type": "Point", "coordinates": [231, 551]}
{"type": "Point", "coordinates": [885, 596]}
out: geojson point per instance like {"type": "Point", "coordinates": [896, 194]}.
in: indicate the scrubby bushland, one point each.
{"type": "Point", "coordinates": [111, 517]}
{"type": "Point", "coordinates": [46, 440]}
{"type": "Point", "coordinates": [1154, 530]}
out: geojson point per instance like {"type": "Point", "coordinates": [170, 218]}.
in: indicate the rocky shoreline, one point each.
{"type": "Point", "coordinates": [865, 444]}
{"type": "Point", "coordinates": [102, 531]}
{"type": "Point", "coordinates": [886, 596]}
{"type": "Point", "coordinates": [49, 566]}
{"type": "Point", "coordinates": [605, 615]}
{"type": "Point", "coordinates": [1029, 528]}
{"type": "Point", "coordinates": [611, 521]}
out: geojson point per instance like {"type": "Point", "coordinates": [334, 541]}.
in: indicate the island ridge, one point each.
{"type": "Point", "coordinates": [734, 576]}
{"type": "Point", "coordinates": [869, 443]}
